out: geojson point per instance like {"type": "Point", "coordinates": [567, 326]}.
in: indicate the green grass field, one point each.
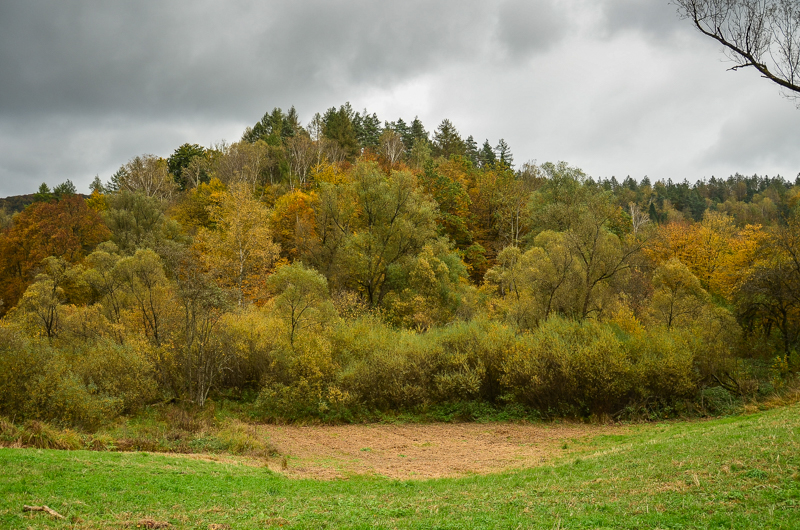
{"type": "Point", "coordinates": [737, 472]}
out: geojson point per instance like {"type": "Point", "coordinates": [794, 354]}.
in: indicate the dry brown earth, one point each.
{"type": "Point", "coordinates": [424, 451]}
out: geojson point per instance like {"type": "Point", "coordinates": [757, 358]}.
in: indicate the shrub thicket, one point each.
{"type": "Point", "coordinates": [81, 385]}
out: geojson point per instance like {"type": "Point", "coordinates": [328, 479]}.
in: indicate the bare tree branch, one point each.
{"type": "Point", "coordinates": [760, 34]}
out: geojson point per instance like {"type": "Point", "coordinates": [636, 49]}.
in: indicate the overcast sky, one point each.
{"type": "Point", "coordinates": [615, 87]}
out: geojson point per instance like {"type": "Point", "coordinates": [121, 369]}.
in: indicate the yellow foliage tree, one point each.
{"type": "Point", "coordinates": [240, 251]}
{"type": "Point", "coordinates": [325, 171]}
{"type": "Point", "coordinates": [714, 250]}
{"type": "Point", "coordinates": [293, 222]}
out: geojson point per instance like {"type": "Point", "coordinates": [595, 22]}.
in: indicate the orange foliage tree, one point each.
{"type": "Point", "coordinates": [67, 229]}
{"type": "Point", "coordinates": [714, 250]}
{"type": "Point", "coordinates": [293, 222]}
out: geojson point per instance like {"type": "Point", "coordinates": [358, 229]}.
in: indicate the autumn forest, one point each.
{"type": "Point", "coordinates": [353, 266]}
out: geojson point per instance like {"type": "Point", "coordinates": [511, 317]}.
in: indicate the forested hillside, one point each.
{"type": "Point", "coordinates": [351, 265]}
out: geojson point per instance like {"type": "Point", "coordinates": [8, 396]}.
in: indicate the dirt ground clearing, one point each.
{"type": "Point", "coordinates": [423, 451]}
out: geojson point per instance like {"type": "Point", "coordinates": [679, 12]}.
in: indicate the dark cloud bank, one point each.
{"type": "Point", "coordinates": [86, 85]}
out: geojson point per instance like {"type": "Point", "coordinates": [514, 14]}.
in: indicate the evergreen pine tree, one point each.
{"type": "Point", "coordinates": [65, 189]}
{"type": "Point", "coordinates": [471, 150]}
{"type": "Point", "coordinates": [653, 214]}
{"type": "Point", "coordinates": [402, 128]}
{"type": "Point", "coordinates": [504, 155]}
{"type": "Point", "coordinates": [418, 131]}
{"type": "Point", "coordinates": [338, 126]}
{"type": "Point", "coordinates": [290, 125]}
{"type": "Point", "coordinates": [97, 185]}
{"type": "Point", "coordinates": [368, 129]}
{"type": "Point", "coordinates": [486, 155]}
{"type": "Point", "coordinates": [43, 194]}
{"type": "Point", "coordinates": [115, 183]}
{"type": "Point", "coordinates": [446, 140]}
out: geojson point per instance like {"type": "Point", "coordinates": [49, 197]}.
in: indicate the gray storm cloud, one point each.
{"type": "Point", "coordinates": [96, 57]}
{"type": "Point", "coordinates": [657, 20]}
{"type": "Point", "coordinates": [86, 85]}
{"type": "Point", "coordinates": [526, 27]}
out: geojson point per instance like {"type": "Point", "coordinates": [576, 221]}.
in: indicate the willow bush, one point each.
{"type": "Point", "coordinates": [83, 385]}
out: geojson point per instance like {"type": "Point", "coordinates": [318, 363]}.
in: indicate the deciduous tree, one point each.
{"type": "Point", "coordinates": [678, 298]}
{"type": "Point", "coordinates": [67, 229]}
{"type": "Point", "coordinates": [239, 251]}
{"type": "Point", "coordinates": [370, 225]}
{"type": "Point", "coordinates": [148, 175]}
{"type": "Point", "coordinates": [301, 298]}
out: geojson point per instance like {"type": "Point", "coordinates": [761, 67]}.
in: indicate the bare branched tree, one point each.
{"type": "Point", "coordinates": [639, 218]}
{"type": "Point", "coordinates": [301, 156]}
{"type": "Point", "coordinates": [147, 174]}
{"type": "Point", "coordinates": [391, 146]}
{"type": "Point", "coordinates": [760, 34]}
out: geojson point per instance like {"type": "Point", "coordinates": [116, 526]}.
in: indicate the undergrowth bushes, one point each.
{"type": "Point", "coordinates": [82, 386]}
{"type": "Point", "coordinates": [166, 428]}
{"type": "Point", "coordinates": [363, 368]}
{"type": "Point", "coordinates": [563, 367]}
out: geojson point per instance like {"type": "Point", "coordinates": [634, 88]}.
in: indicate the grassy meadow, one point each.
{"type": "Point", "coordinates": [735, 472]}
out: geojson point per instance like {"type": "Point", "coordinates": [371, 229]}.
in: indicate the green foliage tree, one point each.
{"type": "Point", "coordinates": [402, 129]}
{"type": "Point", "coordinates": [537, 283]}
{"type": "Point", "coordinates": [43, 299]}
{"type": "Point", "coordinates": [97, 185]}
{"type": "Point", "coordinates": [420, 154]}
{"type": "Point", "coordinates": [471, 151]}
{"type": "Point", "coordinates": [65, 189]}
{"type": "Point", "coordinates": [180, 159]}
{"type": "Point", "coordinates": [274, 127]}
{"type": "Point", "coordinates": [43, 194]}
{"type": "Point", "coordinates": [504, 155]}
{"type": "Point", "coordinates": [678, 298]}
{"type": "Point", "coordinates": [444, 183]}
{"type": "Point", "coordinates": [594, 231]}
{"type": "Point", "coordinates": [135, 220]}
{"type": "Point", "coordinates": [769, 296]}
{"type": "Point", "coordinates": [368, 226]}
{"type": "Point", "coordinates": [368, 129]}
{"type": "Point", "coordinates": [417, 131]}
{"type": "Point", "coordinates": [301, 298]}
{"type": "Point", "coordinates": [104, 283]}
{"type": "Point", "coordinates": [338, 126]}
{"type": "Point", "coordinates": [142, 276]}
{"type": "Point", "coordinates": [428, 292]}
{"type": "Point", "coordinates": [447, 142]}
{"type": "Point", "coordinates": [202, 358]}
{"type": "Point", "coordinates": [394, 223]}
{"type": "Point", "coordinates": [486, 156]}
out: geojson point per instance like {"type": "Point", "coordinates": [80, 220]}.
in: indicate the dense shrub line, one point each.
{"type": "Point", "coordinates": [356, 368]}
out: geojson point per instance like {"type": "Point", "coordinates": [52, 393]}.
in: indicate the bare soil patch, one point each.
{"type": "Point", "coordinates": [423, 451]}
